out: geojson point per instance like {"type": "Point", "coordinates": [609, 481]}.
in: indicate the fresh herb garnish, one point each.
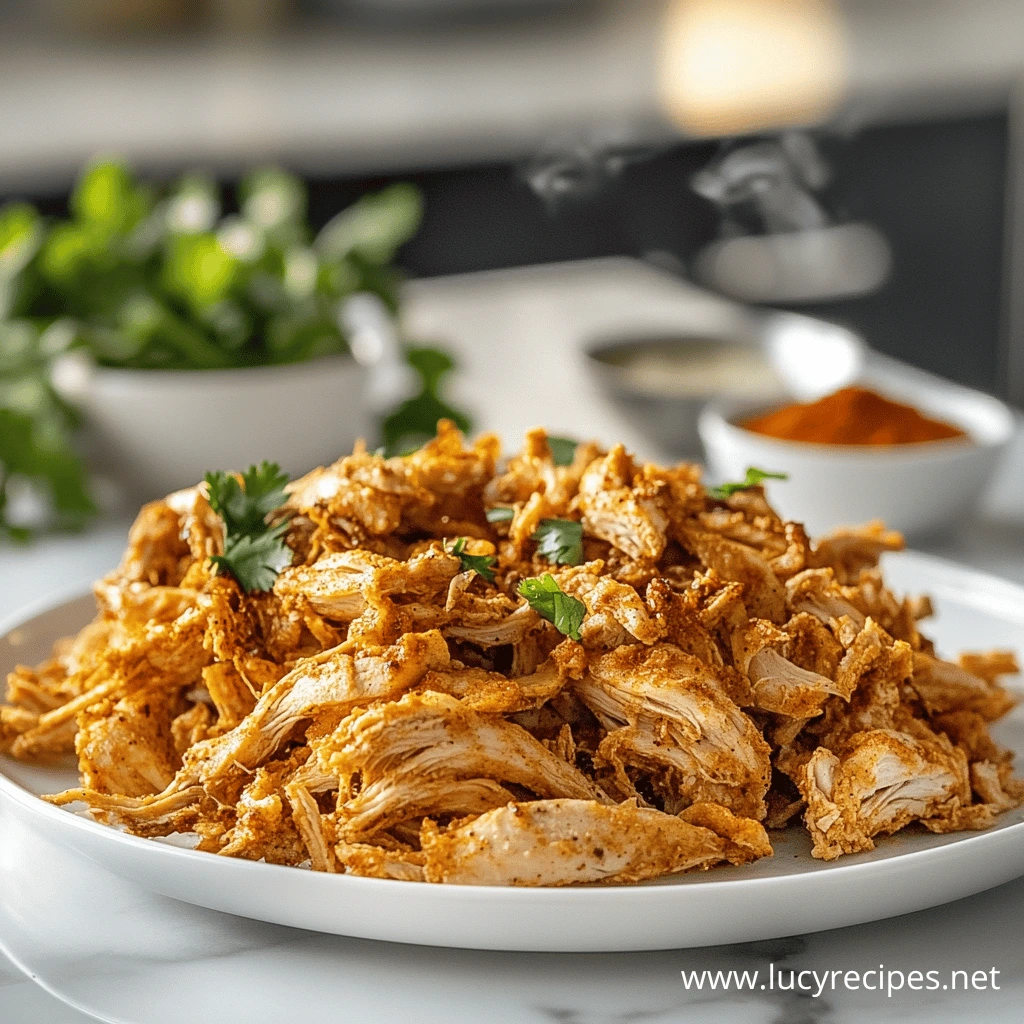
{"type": "Point", "coordinates": [254, 551]}
{"type": "Point", "coordinates": [244, 506]}
{"type": "Point", "coordinates": [753, 478]}
{"type": "Point", "coordinates": [482, 565]}
{"type": "Point", "coordinates": [500, 514]}
{"type": "Point", "coordinates": [563, 450]}
{"type": "Point", "coordinates": [545, 597]}
{"type": "Point", "coordinates": [256, 561]}
{"type": "Point", "coordinates": [560, 541]}
{"type": "Point", "coordinates": [414, 422]}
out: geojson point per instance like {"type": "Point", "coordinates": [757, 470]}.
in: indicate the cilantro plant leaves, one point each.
{"type": "Point", "coordinates": [37, 453]}
{"type": "Point", "coordinates": [161, 277]}
{"type": "Point", "coordinates": [546, 598]}
{"type": "Point", "coordinates": [560, 541]}
{"type": "Point", "coordinates": [753, 478]}
{"type": "Point", "coordinates": [254, 552]}
{"type": "Point", "coordinates": [482, 565]}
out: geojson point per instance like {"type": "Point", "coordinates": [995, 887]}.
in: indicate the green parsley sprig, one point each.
{"type": "Point", "coordinates": [244, 506]}
{"type": "Point", "coordinates": [414, 421]}
{"type": "Point", "coordinates": [563, 450]}
{"type": "Point", "coordinates": [254, 551]}
{"type": "Point", "coordinates": [482, 565]}
{"type": "Point", "coordinates": [754, 477]}
{"type": "Point", "coordinates": [560, 541]}
{"type": "Point", "coordinates": [256, 561]}
{"type": "Point", "coordinates": [548, 600]}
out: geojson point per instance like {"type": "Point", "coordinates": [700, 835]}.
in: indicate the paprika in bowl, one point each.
{"type": "Point", "coordinates": [852, 416]}
{"type": "Point", "coordinates": [918, 453]}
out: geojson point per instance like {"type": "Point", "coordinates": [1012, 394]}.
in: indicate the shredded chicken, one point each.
{"type": "Point", "coordinates": [663, 711]}
{"type": "Point", "coordinates": [882, 781]}
{"type": "Point", "coordinates": [386, 710]}
{"type": "Point", "coordinates": [561, 842]}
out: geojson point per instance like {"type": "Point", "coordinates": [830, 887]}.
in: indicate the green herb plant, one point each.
{"type": "Point", "coordinates": [151, 278]}
{"type": "Point", "coordinates": [37, 459]}
{"type": "Point", "coordinates": [171, 281]}
{"type": "Point", "coordinates": [414, 421]}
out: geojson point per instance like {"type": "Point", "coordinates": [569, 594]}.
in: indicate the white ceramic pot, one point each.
{"type": "Point", "coordinates": [154, 431]}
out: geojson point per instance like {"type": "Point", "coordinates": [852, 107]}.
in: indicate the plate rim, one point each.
{"type": "Point", "coordinates": [608, 893]}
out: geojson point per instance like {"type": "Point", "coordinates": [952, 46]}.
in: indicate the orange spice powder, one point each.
{"type": "Point", "coordinates": [853, 416]}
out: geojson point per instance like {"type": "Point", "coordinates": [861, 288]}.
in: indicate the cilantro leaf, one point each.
{"type": "Point", "coordinates": [244, 507]}
{"type": "Point", "coordinates": [414, 421]}
{"type": "Point", "coordinates": [480, 564]}
{"type": "Point", "coordinates": [560, 541]}
{"type": "Point", "coordinates": [563, 450]}
{"type": "Point", "coordinates": [255, 560]}
{"type": "Point", "coordinates": [500, 514]}
{"type": "Point", "coordinates": [254, 552]}
{"type": "Point", "coordinates": [753, 478]}
{"type": "Point", "coordinates": [546, 598]}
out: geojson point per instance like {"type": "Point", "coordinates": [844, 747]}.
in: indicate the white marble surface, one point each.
{"type": "Point", "coordinates": [114, 952]}
{"type": "Point", "coordinates": [121, 954]}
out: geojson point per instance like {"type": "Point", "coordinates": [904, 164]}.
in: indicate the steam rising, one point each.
{"type": "Point", "coordinates": [777, 241]}
{"type": "Point", "coordinates": [775, 177]}
{"type": "Point", "coordinates": [575, 170]}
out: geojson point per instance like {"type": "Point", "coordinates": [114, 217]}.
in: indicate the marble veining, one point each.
{"type": "Point", "coordinates": [123, 954]}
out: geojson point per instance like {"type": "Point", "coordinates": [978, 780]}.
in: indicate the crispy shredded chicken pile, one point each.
{"type": "Point", "coordinates": [383, 712]}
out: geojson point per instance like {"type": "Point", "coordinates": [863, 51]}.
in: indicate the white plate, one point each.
{"type": "Point", "coordinates": [785, 895]}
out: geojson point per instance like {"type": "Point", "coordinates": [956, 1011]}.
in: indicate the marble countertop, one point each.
{"type": "Point", "coordinates": [118, 953]}
{"type": "Point", "coordinates": [112, 951]}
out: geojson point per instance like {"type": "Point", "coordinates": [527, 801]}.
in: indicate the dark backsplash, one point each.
{"type": "Point", "coordinates": [936, 190]}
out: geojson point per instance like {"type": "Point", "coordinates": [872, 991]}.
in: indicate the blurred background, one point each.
{"type": "Point", "coordinates": [588, 172]}
{"type": "Point", "coordinates": [466, 97]}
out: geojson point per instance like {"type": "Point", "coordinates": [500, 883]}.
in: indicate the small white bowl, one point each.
{"type": "Point", "coordinates": [916, 488]}
{"type": "Point", "coordinates": [154, 431]}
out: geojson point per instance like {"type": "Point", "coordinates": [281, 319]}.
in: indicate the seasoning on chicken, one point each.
{"type": "Point", "coordinates": [395, 707]}
{"type": "Point", "coordinates": [562, 842]}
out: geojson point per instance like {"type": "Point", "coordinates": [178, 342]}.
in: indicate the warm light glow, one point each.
{"type": "Point", "coordinates": [732, 66]}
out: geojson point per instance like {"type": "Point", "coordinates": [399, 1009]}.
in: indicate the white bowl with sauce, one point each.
{"type": "Point", "coordinates": [661, 383]}
{"type": "Point", "coordinates": [919, 488]}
